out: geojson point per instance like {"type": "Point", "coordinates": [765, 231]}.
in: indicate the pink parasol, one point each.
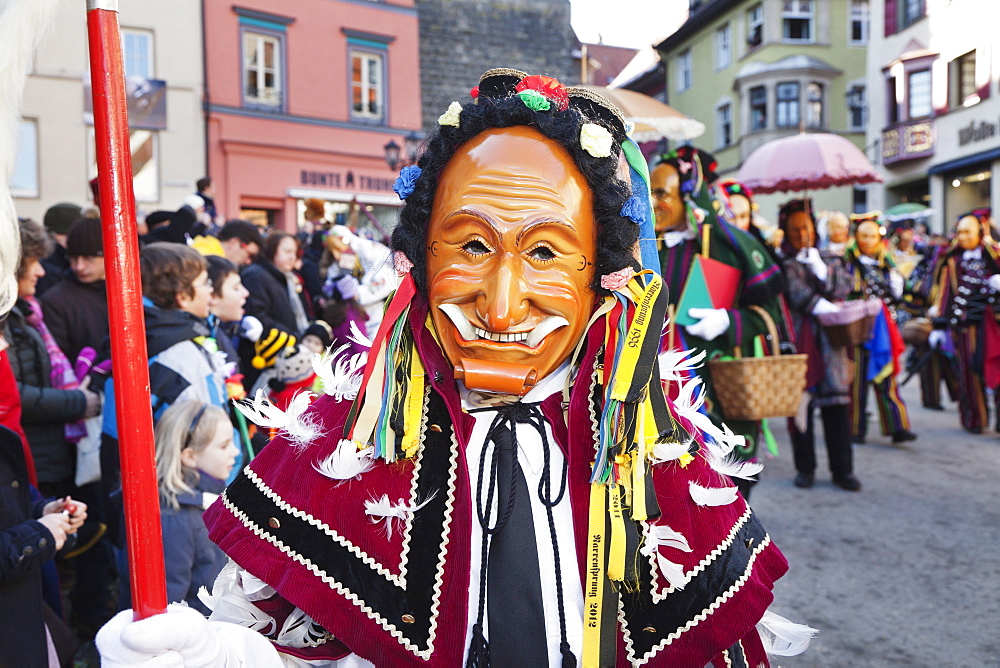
{"type": "Point", "coordinates": [806, 161]}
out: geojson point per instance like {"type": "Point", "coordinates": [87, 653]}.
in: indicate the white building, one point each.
{"type": "Point", "coordinates": [934, 105]}
{"type": "Point", "coordinates": [162, 42]}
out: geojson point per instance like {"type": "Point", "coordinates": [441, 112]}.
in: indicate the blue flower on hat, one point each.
{"type": "Point", "coordinates": [687, 186]}
{"type": "Point", "coordinates": [406, 182]}
{"type": "Point", "coordinates": [634, 209]}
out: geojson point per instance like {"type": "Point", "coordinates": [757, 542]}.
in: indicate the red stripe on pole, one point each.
{"type": "Point", "coordinates": [128, 332]}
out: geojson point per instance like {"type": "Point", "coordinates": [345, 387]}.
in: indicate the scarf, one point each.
{"type": "Point", "coordinates": [61, 376]}
{"type": "Point", "coordinates": [294, 288]}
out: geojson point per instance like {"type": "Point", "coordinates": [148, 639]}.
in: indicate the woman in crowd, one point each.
{"type": "Point", "coordinates": [276, 296]}
{"type": "Point", "coordinates": [815, 282]}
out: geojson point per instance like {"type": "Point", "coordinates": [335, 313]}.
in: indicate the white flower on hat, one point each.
{"type": "Point", "coordinates": [450, 117]}
{"type": "Point", "coordinates": [595, 140]}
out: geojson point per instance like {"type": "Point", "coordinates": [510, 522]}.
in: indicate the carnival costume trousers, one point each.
{"type": "Point", "coordinates": [838, 441]}
{"type": "Point", "coordinates": [939, 367]}
{"type": "Point", "coordinates": [972, 407]}
{"type": "Point", "coordinates": [893, 416]}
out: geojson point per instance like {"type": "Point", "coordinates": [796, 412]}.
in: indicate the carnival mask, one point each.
{"type": "Point", "coordinates": [510, 250]}
{"type": "Point", "coordinates": [801, 233]}
{"type": "Point", "coordinates": [968, 233]}
{"type": "Point", "coordinates": [668, 207]}
{"type": "Point", "coordinates": [869, 238]}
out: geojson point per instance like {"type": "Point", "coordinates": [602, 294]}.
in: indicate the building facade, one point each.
{"type": "Point", "coordinates": [756, 70]}
{"type": "Point", "coordinates": [461, 39]}
{"type": "Point", "coordinates": [161, 44]}
{"type": "Point", "coordinates": [302, 99]}
{"type": "Point", "coordinates": [935, 105]}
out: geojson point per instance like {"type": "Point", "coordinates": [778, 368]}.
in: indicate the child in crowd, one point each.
{"type": "Point", "coordinates": [195, 454]}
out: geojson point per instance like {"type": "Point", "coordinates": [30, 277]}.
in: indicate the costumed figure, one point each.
{"type": "Point", "coordinates": [687, 226]}
{"type": "Point", "coordinates": [816, 282]}
{"type": "Point", "coordinates": [506, 480]}
{"type": "Point", "coordinates": [365, 261]}
{"type": "Point", "coordinates": [876, 362]}
{"type": "Point", "coordinates": [937, 364]}
{"type": "Point", "coordinates": [836, 228]}
{"type": "Point", "coordinates": [741, 210]}
{"type": "Point", "coordinates": [967, 299]}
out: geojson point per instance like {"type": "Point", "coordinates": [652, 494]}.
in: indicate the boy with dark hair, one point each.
{"type": "Point", "coordinates": [241, 241]}
{"type": "Point", "coordinates": [182, 356]}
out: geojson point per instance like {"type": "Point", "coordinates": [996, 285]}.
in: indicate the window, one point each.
{"type": "Point", "coordinates": [814, 105]}
{"type": "Point", "coordinates": [723, 48]}
{"type": "Point", "coordinates": [856, 107]}
{"type": "Point", "coordinates": [796, 21]}
{"type": "Point", "coordinates": [859, 199]}
{"type": "Point", "coordinates": [962, 89]}
{"type": "Point", "coordinates": [891, 101]}
{"type": "Point", "coordinates": [911, 12]}
{"type": "Point", "coordinates": [24, 180]}
{"type": "Point", "coordinates": [860, 21]}
{"type": "Point", "coordinates": [262, 56]}
{"type": "Point", "coordinates": [755, 26]}
{"type": "Point", "coordinates": [367, 87]}
{"type": "Point", "coordinates": [918, 94]}
{"type": "Point", "coordinates": [137, 52]}
{"type": "Point", "coordinates": [787, 109]}
{"type": "Point", "coordinates": [684, 71]}
{"type": "Point", "coordinates": [758, 108]}
{"type": "Point", "coordinates": [724, 125]}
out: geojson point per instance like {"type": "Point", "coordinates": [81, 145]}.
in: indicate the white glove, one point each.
{"type": "Point", "coordinates": [712, 322]}
{"type": "Point", "coordinates": [811, 258]}
{"type": "Point", "coordinates": [933, 311]}
{"type": "Point", "coordinates": [994, 282]}
{"type": "Point", "coordinates": [182, 637]}
{"type": "Point", "coordinates": [937, 338]}
{"type": "Point", "coordinates": [896, 284]}
{"type": "Point", "coordinates": [824, 306]}
{"type": "Point", "coordinates": [251, 328]}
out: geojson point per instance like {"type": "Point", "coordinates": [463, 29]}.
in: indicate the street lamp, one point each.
{"type": "Point", "coordinates": [392, 151]}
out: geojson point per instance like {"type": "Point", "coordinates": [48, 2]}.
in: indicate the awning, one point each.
{"type": "Point", "coordinates": [344, 196]}
{"type": "Point", "coordinates": [967, 161]}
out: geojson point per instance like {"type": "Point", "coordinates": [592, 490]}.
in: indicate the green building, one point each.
{"type": "Point", "coordinates": [756, 70]}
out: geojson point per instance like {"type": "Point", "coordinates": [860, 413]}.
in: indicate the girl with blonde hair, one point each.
{"type": "Point", "coordinates": [195, 454]}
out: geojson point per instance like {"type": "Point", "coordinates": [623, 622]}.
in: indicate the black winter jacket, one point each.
{"type": "Point", "coordinates": [77, 315]}
{"type": "Point", "coordinates": [45, 409]}
{"type": "Point", "coordinates": [25, 545]}
{"type": "Point", "coordinates": [268, 300]}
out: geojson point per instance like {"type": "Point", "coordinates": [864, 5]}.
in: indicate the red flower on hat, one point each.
{"type": "Point", "coordinates": [474, 92]}
{"type": "Point", "coordinates": [554, 91]}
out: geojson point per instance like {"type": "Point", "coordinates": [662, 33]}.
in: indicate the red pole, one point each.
{"type": "Point", "coordinates": [128, 332]}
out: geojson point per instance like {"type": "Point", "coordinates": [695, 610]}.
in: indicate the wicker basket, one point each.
{"type": "Point", "coordinates": [852, 325]}
{"type": "Point", "coordinates": [754, 388]}
{"type": "Point", "coordinates": [916, 331]}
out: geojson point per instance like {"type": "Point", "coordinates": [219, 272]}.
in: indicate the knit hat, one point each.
{"type": "Point", "coordinates": [321, 331]}
{"type": "Point", "coordinates": [269, 346]}
{"type": "Point", "coordinates": [60, 217]}
{"type": "Point", "coordinates": [84, 239]}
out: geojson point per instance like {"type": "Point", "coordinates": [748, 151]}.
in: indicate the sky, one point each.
{"type": "Point", "coordinates": [631, 23]}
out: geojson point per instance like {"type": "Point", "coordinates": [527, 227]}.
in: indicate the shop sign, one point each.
{"type": "Point", "coordinates": [974, 132]}
{"type": "Point", "coordinates": [344, 181]}
{"type": "Point", "coordinates": [907, 141]}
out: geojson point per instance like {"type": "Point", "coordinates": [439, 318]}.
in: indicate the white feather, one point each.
{"type": "Point", "coordinates": [22, 25]}
{"type": "Point", "coordinates": [666, 452]}
{"type": "Point", "coordinates": [346, 461]}
{"type": "Point", "coordinates": [341, 374]}
{"type": "Point", "coordinates": [299, 630]}
{"type": "Point", "coordinates": [675, 365]}
{"type": "Point", "coordinates": [688, 403]}
{"type": "Point", "coordinates": [735, 467]}
{"type": "Point", "coordinates": [231, 601]}
{"type": "Point", "coordinates": [673, 573]}
{"type": "Point", "coordinates": [712, 496]}
{"type": "Point", "coordinates": [663, 535]}
{"type": "Point", "coordinates": [262, 412]}
{"type": "Point", "coordinates": [782, 637]}
{"type": "Point", "coordinates": [382, 509]}
{"type": "Point", "coordinates": [358, 336]}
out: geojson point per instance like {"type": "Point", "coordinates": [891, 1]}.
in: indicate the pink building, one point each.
{"type": "Point", "coordinates": [300, 101]}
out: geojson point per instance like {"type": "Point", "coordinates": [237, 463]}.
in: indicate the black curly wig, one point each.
{"type": "Point", "coordinates": [498, 106]}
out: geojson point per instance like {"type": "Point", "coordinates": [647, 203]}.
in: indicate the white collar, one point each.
{"type": "Point", "coordinates": [673, 237]}
{"type": "Point", "coordinates": [974, 254]}
{"type": "Point", "coordinates": [867, 259]}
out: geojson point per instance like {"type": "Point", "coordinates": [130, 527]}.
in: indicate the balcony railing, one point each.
{"type": "Point", "coordinates": [907, 141]}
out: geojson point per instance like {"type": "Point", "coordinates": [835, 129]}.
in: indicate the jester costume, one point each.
{"type": "Point", "coordinates": [380, 523]}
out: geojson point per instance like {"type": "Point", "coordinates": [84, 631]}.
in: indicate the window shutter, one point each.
{"type": "Point", "coordinates": [890, 17]}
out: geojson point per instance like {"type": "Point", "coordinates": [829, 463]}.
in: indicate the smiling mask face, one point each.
{"type": "Point", "coordinates": [511, 246]}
